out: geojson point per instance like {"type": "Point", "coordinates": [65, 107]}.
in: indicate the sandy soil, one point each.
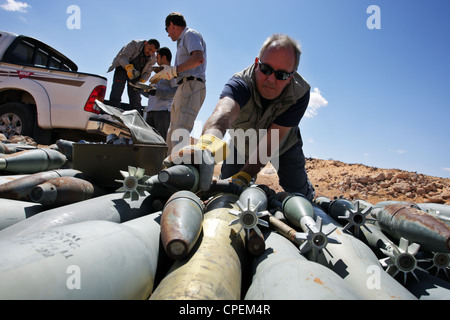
{"type": "Point", "coordinates": [356, 181]}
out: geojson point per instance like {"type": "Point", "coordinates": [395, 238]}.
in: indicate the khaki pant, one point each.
{"type": "Point", "coordinates": [186, 105]}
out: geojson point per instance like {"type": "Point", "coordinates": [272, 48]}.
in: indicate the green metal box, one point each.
{"type": "Point", "coordinates": [101, 163]}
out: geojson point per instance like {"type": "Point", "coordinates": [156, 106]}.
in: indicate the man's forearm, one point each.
{"type": "Point", "coordinates": [223, 116]}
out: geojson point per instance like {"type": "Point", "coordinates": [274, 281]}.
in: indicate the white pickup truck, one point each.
{"type": "Point", "coordinates": [41, 90]}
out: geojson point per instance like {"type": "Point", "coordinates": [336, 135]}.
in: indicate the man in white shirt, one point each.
{"type": "Point", "coordinates": [189, 69]}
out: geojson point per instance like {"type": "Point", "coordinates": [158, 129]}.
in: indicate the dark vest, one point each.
{"type": "Point", "coordinates": [254, 116]}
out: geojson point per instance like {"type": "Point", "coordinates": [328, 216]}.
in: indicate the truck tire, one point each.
{"type": "Point", "coordinates": [16, 118]}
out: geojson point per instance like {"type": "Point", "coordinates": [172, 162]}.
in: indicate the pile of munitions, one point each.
{"type": "Point", "coordinates": [158, 237]}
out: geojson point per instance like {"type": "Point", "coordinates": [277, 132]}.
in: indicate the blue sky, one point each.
{"type": "Point", "coordinates": [380, 97]}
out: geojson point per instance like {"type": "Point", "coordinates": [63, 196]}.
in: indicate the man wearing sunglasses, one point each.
{"type": "Point", "coordinates": [190, 73]}
{"type": "Point", "coordinates": [269, 97]}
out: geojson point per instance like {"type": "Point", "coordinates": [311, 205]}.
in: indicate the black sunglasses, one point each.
{"type": "Point", "coordinates": [268, 70]}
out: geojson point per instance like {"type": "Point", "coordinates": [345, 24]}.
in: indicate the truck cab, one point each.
{"type": "Point", "coordinates": [42, 91]}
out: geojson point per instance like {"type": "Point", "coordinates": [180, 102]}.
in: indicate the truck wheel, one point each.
{"type": "Point", "coordinates": [16, 118]}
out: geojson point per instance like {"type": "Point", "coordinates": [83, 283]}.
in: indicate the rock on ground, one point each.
{"type": "Point", "coordinates": [333, 178]}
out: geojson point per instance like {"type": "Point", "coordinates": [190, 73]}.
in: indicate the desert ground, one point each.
{"type": "Point", "coordinates": [333, 178]}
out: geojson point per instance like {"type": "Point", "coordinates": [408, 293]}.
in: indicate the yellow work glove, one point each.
{"type": "Point", "coordinates": [218, 148]}
{"type": "Point", "coordinates": [132, 73]}
{"type": "Point", "coordinates": [205, 154]}
{"type": "Point", "coordinates": [241, 179]}
{"type": "Point", "coordinates": [167, 73]}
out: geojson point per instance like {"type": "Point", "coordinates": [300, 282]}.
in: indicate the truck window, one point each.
{"type": "Point", "coordinates": [29, 51]}
{"type": "Point", "coordinates": [23, 53]}
{"type": "Point", "coordinates": [41, 58]}
{"type": "Point", "coordinates": [55, 63]}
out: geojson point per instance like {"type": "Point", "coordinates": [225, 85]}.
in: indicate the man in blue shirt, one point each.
{"type": "Point", "coordinates": [261, 107]}
{"type": "Point", "coordinates": [160, 99]}
{"type": "Point", "coordinates": [189, 69]}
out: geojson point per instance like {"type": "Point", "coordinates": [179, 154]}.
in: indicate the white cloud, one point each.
{"type": "Point", "coordinates": [401, 151]}
{"type": "Point", "coordinates": [446, 169]}
{"type": "Point", "coordinates": [12, 5]}
{"type": "Point", "coordinates": [316, 102]}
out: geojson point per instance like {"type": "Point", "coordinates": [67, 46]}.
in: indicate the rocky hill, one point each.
{"type": "Point", "coordinates": [356, 181]}
{"type": "Point", "coordinates": [333, 178]}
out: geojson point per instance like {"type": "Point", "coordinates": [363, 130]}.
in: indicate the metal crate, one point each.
{"type": "Point", "coordinates": [101, 163]}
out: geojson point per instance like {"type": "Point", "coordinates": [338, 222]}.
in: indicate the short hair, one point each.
{"type": "Point", "coordinates": [154, 42]}
{"type": "Point", "coordinates": [283, 41]}
{"type": "Point", "coordinates": [165, 52]}
{"type": "Point", "coordinates": [177, 19]}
